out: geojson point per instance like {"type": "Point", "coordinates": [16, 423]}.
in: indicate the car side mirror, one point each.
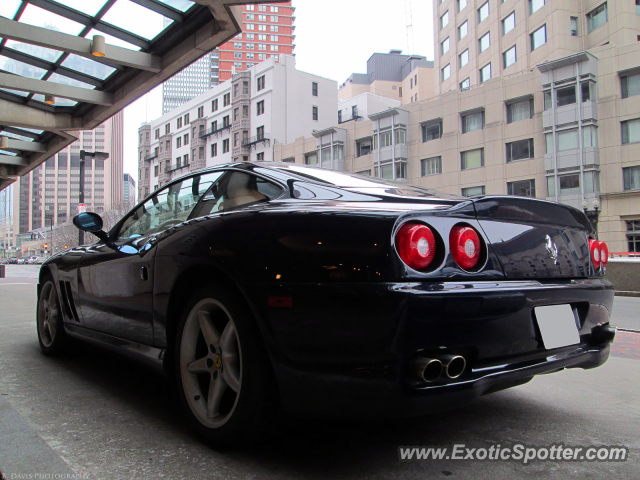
{"type": "Point", "coordinates": [92, 223]}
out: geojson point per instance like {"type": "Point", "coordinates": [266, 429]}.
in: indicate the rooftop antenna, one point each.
{"type": "Point", "coordinates": [408, 13]}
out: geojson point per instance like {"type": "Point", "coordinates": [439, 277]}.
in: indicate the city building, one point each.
{"type": "Point", "coordinates": [406, 78]}
{"type": "Point", "coordinates": [532, 97]}
{"type": "Point", "coordinates": [48, 195]}
{"type": "Point", "coordinates": [238, 120]}
{"type": "Point", "coordinates": [129, 189]}
{"type": "Point", "coordinates": [267, 31]}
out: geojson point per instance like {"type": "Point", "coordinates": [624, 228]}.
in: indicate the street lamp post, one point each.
{"type": "Point", "coordinates": [83, 155]}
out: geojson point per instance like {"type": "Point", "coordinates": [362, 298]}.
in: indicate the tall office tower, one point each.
{"type": "Point", "coordinates": [49, 194]}
{"type": "Point", "coordinates": [129, 189]}
{"type": "Point", "coordinates": [267, 31]}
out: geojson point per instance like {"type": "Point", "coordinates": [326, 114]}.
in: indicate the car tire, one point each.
{"type": "Point", "coordinates": [51, 334]}
{"type": "Point", "coordinates": [224, 375]}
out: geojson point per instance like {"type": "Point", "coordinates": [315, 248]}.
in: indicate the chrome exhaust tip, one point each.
{"type": "Point", "coordinates": [425, 369]}
{"type": "Point", "coordinates": [453, 365]}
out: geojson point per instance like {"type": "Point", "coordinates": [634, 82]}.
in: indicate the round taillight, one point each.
{"type": "Point", "coordinates": [465, 246]}
{"type": "Point", "coordinates": [594, 247]}
{"type": "Point", "coordinates": [604, 254]}
{"type": "Point", "coordinates": [416, 245]}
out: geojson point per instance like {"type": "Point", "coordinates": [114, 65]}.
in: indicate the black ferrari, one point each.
{"type": "Point", "coordinates": [263, 288]}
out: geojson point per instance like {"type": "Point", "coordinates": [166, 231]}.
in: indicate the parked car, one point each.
{"type": "Point", "coordinates": [261, 287]}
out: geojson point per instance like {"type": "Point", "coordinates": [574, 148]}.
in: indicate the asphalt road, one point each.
{"type": "Point", "coordinates": [96, 415]}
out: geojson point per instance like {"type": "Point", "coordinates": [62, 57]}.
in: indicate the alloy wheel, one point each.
{"type": "Point", "coordinates": [211, 363]}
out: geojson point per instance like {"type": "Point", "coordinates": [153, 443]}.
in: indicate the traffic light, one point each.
{"type": "Point", "coordinates": [46, 245]}
{"type": "Point", "coordinates": [66, 246]}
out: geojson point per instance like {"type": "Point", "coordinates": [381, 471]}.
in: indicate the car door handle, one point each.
{"type": "Point", "coordinates": [144, 273]}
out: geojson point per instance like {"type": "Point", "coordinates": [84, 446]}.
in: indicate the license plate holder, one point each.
{"type": "Point", "coordinates": [557, 326]}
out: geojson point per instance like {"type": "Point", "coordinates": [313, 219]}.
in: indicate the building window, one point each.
{"type": "Point", "coordinates": [179, 123]}
{"type": "Point", "coordinates": [566, 96]}
{"type": "Point", "coordinates": [570, 184]}
{"type": "Point", "coordinates": [574, 26]}
{"type": "Point", "coordinates": [510, 57]}
{"type": "Point", "coordinates": [472, 159]}
{"type": "Point", "coordinates": [260, 157]}
{"type": "Point", "coordinates": [461, 5]}
{"type": "Point", "coordinates": [236, 114]}
{"type": "Point", "coordinates": [464, 58]}
{"type": "Point", "coordinates": [314, 89]}
{"type": "Point", "coordinates": [519, 111]}
{"type": "Point", "coordinates": [445, 45]}
{"type": "Point", "coordinates": [260, 132]}
{"type": "Point", "coordinates": [509, 23]}
{"type": "Point", "coordinates": [432, 131]}
{"type": "Point", "coordinates": [630, 85]}
{"type": "Point", "coordinates": [214, 149]}
{"type": "Point", "coordinates": [186, 119]}
{"type": "Point", "coordinates": [155, 171]}
{"type": "Point", "coordinates": [485, 73]}
{"type": "Point", "coordinates": [444, 19]}
{"type": "Point", "coordinates": [485, 41]}
{"type": "Point", "coordinates": [314, 113]}
{"type": "Point", "coordinates": [522, 188]}
{"type": "Point", "coordinates": [225, 146]}
{"type": "Point", "coordinates": [311, 158]}
{"type": "Point", "coordinates": [463, 30]}
{"type": "Point", "coordinates": [586, 91]}
{"type": "Point", "coordinates": [363, 147]}
{"type": "Point", "coordinates": [214, 105]}
{"type": "Point", "coordinates": [401, 136]}
{"type": "Point", "coordinates": [465, 84]}
{"type": "Point", "coordinates": [567, 140]}
{"type": "Point", "coordinates": [473, 191]}
{"type": "Point", "coordinates": [590, 136]}
{"type": "Point", "coordinates": [631, 131]}
{"type": "Point", "coordinates": [446, 72]}
{"type": "Point", "coordinates": [260, 107]}
{"type": "Point", "coordinates": [261, 83]}
{"type": "Point", "coordinates": [520, 150]}
{"type": "Point", "coordinates": [245, 111]}
{"type": "Point", "coordinates": [539, 37]}
{"type": "Point", "coordinates": [597, 17]}
{"type": "Point", "coordinates": [185, 139]}
{"type": "Point", "coordinates": [226, 121]}
{"type": "Point", "coordinates": [631, 178]}
{"type": "Point", "coordinates": [178, 142]}
{"type": "Point", "coordinates": [157, 133]}
{"type": "Point", "coordinates": [536, 5]}
{"type": "Point", "coordinates": [236, 139]}
{"type": "Point", "coordinates": [472, 122]}
{"type": "Point", "coordinates": [226, 100]}
{"type": "Point", "coordinates": [633, 234]}
{"type": "Point", "coordinates": [483, 11]}
{"type": "Point", "coordinates": [430, 166]}
{"type": "Point", "coordinates": [200, 112]}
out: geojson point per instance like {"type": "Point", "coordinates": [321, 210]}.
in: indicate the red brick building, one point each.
{"type": "Point", "coordinates": [267, 30]}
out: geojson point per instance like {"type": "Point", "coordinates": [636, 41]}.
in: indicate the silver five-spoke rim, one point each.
{"type": "Point", "coordinates": [48, 314]}
{"type": "Point", "coordinates": [211, 363]}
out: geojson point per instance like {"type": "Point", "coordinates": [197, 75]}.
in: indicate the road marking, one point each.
{"type": "Point", "coordinates": [17, 283]}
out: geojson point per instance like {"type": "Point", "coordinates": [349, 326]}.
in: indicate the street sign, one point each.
{"type": "Point", "coordinates": [82, 207]}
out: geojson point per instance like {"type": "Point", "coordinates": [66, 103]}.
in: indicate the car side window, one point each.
{"type": "Point", "coordinates": [169, 206]}
{"type": "Point", "coordinates": [236, 189]}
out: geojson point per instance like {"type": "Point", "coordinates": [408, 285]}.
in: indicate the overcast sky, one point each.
{"type": "Point", "coordinates": [334, 38]}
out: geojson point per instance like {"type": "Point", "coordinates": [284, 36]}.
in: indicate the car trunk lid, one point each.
{"type": "Point", "coordinates": [536, 239]}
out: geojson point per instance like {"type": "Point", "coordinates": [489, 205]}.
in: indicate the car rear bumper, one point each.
{"type": "Point", "coordinates": [342, 349]}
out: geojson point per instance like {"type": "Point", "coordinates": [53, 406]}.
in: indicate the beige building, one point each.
{"type": "Point", "coordinates": [533, 98]}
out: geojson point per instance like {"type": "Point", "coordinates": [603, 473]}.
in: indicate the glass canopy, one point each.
{"type": "Point", "coordinates": [124, 23]}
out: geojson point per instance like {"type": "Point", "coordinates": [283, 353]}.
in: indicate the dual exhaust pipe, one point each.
{"type": "Point", "coordinates": [431, 369]}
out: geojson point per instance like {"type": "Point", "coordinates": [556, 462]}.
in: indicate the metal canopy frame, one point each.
{"type": "Point", "coordinates": [190, 35]}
